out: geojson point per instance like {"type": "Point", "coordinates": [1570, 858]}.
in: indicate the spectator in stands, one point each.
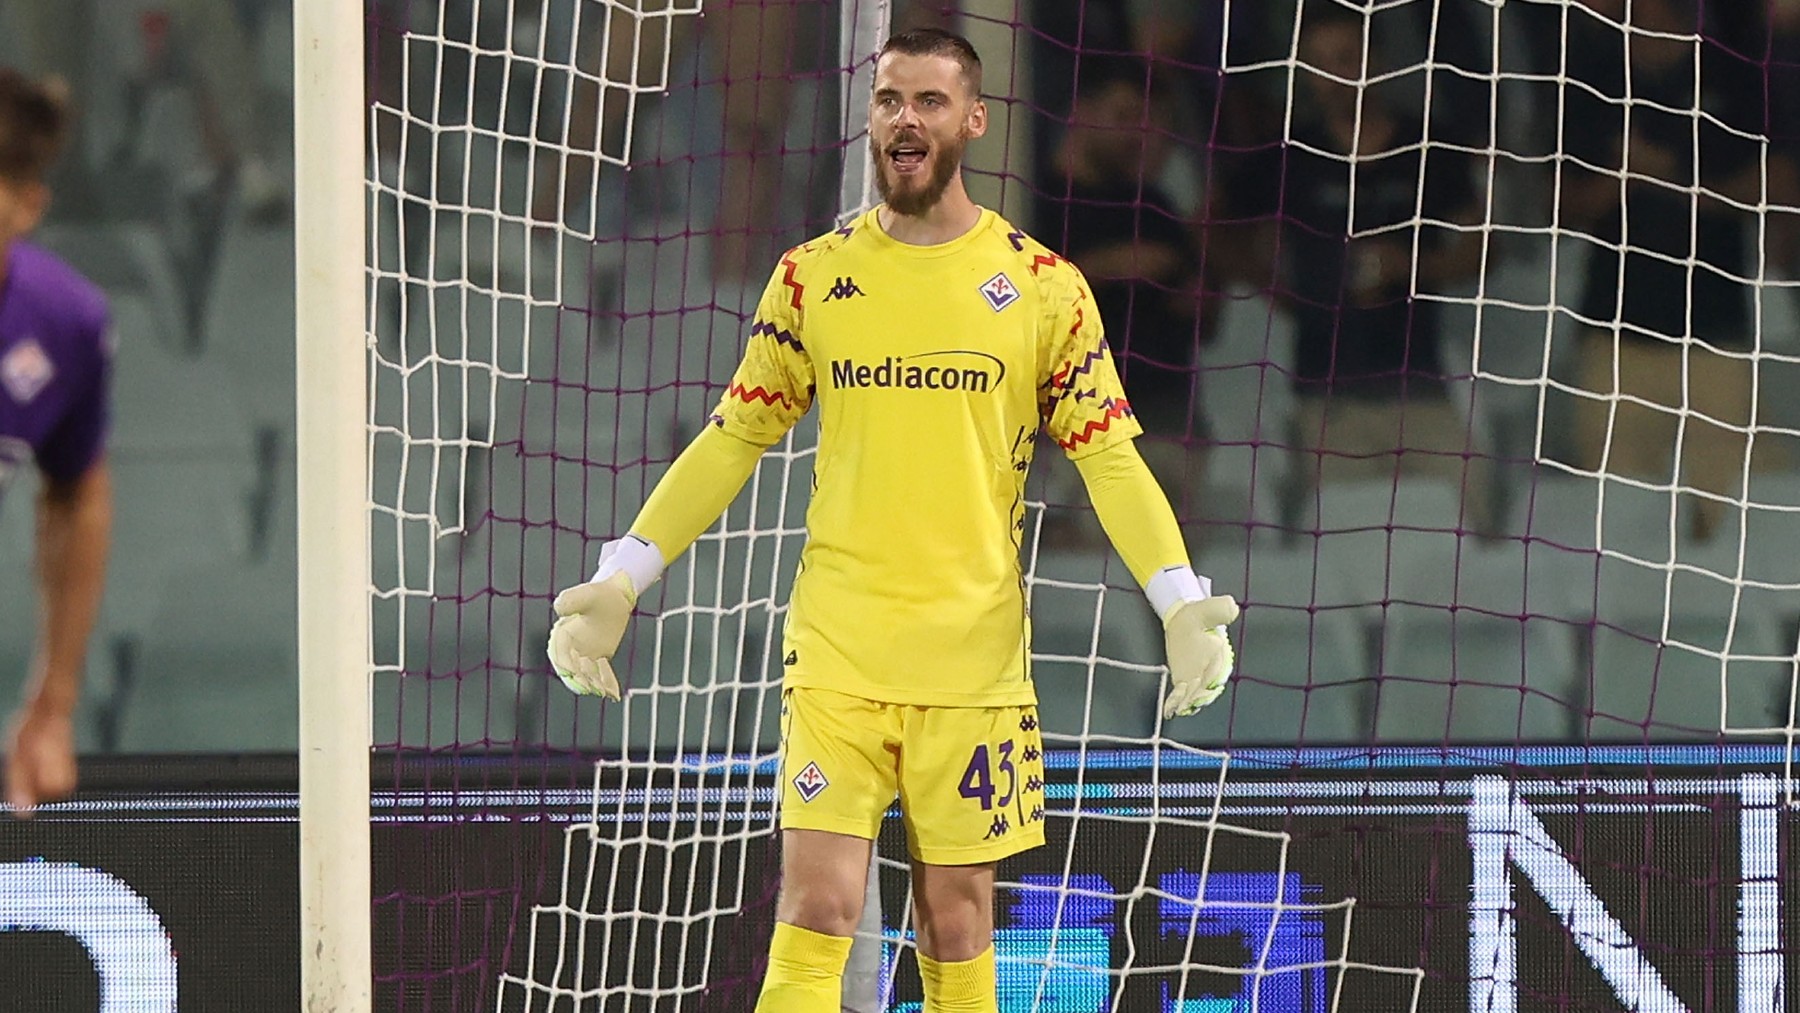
{"type": "Point", "coordinates": [203, 43]}
{"type": "Point", "coordinates": [752, 50]}
{"type": "Point", "coordinates": [54, 364]}
{"type": "Point", "coordinates": [1784, 132]}
{"type": "Point", "coordinates": [1667, 325]}
{"type": "Point", "coordinates": [1115, 221]}
{"type": "Point", "coordinates": [1365, 219]}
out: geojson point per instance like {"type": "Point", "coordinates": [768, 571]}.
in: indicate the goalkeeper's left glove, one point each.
{"type": "Point", "coordinates": [1200, 655]}
{"type": "Point", "coordinates": [1194, 621]}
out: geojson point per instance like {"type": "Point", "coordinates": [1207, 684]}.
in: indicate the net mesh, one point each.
{"type": "Point", "coordinates": [1450, 326]}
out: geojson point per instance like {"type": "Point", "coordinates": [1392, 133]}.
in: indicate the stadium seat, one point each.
{"type": "Point", "coordinates": [1302, 652]}
{"type": "Point", "coordinates": [1242, 491]}
{"type": "Point", "coordinates": [1368, 531]}
{"type": "Point", "coordinates": [182, 464]}
{"type": "Point", "coordinates": [724, 667]}
{"type": "Point", "coordinates": [248, 328]}
{"type": "Point", "coordinates": [1481, 646]}
{"type": "Point", "coordinates": [1350, 505]}
{"type": "Point", "coordinates": [164, 402]}
{"type": "Point", "coordinates": [449, 651]}
{"type": "Point", "coordinates": [216, 669]}
{"type": "Point", "coordinates": [1673, 646]}
{"type": "Point", "coordinates": [1770, 524]}
{"type": "Point", "coordinates": [720, 651]}
{"type": "Point", "coordinates": [1584, 512]}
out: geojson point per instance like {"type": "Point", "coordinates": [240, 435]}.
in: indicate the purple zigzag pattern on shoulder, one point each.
{"type": "Point", "coordinates": [781, 337]}
{"type": "Point", "coordinates": [1087, 363]}
{"type": "Point", "coordinates": [1062, 382]}
{"type": "Point", "coordinates": [1017, 238]}
{"type": "Point", "coordinates": [846, 230]}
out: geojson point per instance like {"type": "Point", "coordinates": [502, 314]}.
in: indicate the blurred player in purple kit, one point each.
{"type": "Point", "coordinates": [54, 367]}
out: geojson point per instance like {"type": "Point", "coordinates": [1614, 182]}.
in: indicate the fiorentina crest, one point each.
{"type": "Point", "coordinates": [26, 370]}
{"type": "Point", "coordinates": [999, 292]}
{"type": "Point", "coordinates": [810, 782]}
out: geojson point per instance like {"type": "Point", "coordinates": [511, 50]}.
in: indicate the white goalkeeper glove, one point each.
{"type": "Point", "coordinates": [591, 617]}
{"type": "Point", "coordinates": [1199, 652]}
{"type": "Point", "coordinates": [1200, 655]}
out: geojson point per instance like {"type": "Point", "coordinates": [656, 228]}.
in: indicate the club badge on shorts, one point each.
{"type": "Point", "coordinates": [999, 292]}
{"type": "Point", "coordinates": [26, 370]}
{"type": "Point", "coordinates": [810, 782]}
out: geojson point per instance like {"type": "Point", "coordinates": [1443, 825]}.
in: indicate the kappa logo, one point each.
{"type": "Point", "coordinates": [810, 782]}
{"type": "Point", "coordinates": [26, 370]}
{"type": "Point", "coordinates": [793, 658]}
{"type": "Point", "coordinates": [999, 291]}
{"type": "Point", "coordinates": [844, 288]}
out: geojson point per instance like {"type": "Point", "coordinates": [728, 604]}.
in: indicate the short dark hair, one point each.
{"type": "Point", "coordinates": [33, 124]}
{"type": "Point", "coordinates": [937, 42]}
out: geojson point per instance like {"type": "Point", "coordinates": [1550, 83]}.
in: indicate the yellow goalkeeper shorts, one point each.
{"type": "Point", "coordinates": [970, 779]}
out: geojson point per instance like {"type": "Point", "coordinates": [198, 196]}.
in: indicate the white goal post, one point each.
{"type": "Point", "coordinates": [331, 446]}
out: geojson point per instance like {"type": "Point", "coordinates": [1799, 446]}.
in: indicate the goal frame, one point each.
{"type": "Point", "coordinates": [332, 537]}
{"type": "Point", "coordinates": [332, 324]}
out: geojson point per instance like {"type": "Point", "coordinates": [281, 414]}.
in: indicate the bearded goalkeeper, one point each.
{"type": "Point", "coordinates": [936, 341]}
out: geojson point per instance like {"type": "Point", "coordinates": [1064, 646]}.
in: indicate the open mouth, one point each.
{"type": "Point", "coordinates": [907, 158]}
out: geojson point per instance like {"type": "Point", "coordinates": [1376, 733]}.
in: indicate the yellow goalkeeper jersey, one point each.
{"type": "Point", "coordinates": [933, 368]}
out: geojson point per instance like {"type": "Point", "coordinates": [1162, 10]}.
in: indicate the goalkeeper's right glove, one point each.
{"type": "Point", "coordinates": [590, 623]}
{"type": "Point", "coordinates": [591, 617]}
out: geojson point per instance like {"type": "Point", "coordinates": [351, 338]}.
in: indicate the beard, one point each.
{"type": "Point", "coordinates": [917, 197]}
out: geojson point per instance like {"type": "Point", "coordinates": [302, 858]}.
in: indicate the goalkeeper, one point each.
{"type": "Point", "coordinates": [936, 341]}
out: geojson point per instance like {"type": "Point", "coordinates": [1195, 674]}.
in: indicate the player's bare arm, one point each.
{"type": "Point", "coordinates": [74, 521]}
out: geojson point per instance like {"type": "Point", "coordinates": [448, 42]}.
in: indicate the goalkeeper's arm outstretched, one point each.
{"type": "Point", "coordinates": [708, 475]}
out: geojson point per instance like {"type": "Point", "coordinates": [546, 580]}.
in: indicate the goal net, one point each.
{"type": "Point", "coordinates": [1451, 325]}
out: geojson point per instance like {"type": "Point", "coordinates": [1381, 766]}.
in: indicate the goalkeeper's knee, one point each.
{"type": "Point", "coordinates": [806, 971]}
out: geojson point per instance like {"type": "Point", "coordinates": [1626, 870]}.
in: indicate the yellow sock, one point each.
{"type": "Point", "coordinates": [806, 972]}
{"type": "Point", "coordinates": [963, 986]}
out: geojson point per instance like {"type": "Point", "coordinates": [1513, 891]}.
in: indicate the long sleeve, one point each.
{"type": "Point", "coordinates": [695, 491]}
{"type": "Point", "coordinates": [1133, 510]}
{"type": "Point", "coordinates": [771, 390]}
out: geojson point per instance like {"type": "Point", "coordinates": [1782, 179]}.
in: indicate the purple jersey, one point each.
{"type": "Point", "coordinates": [54, 364]}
